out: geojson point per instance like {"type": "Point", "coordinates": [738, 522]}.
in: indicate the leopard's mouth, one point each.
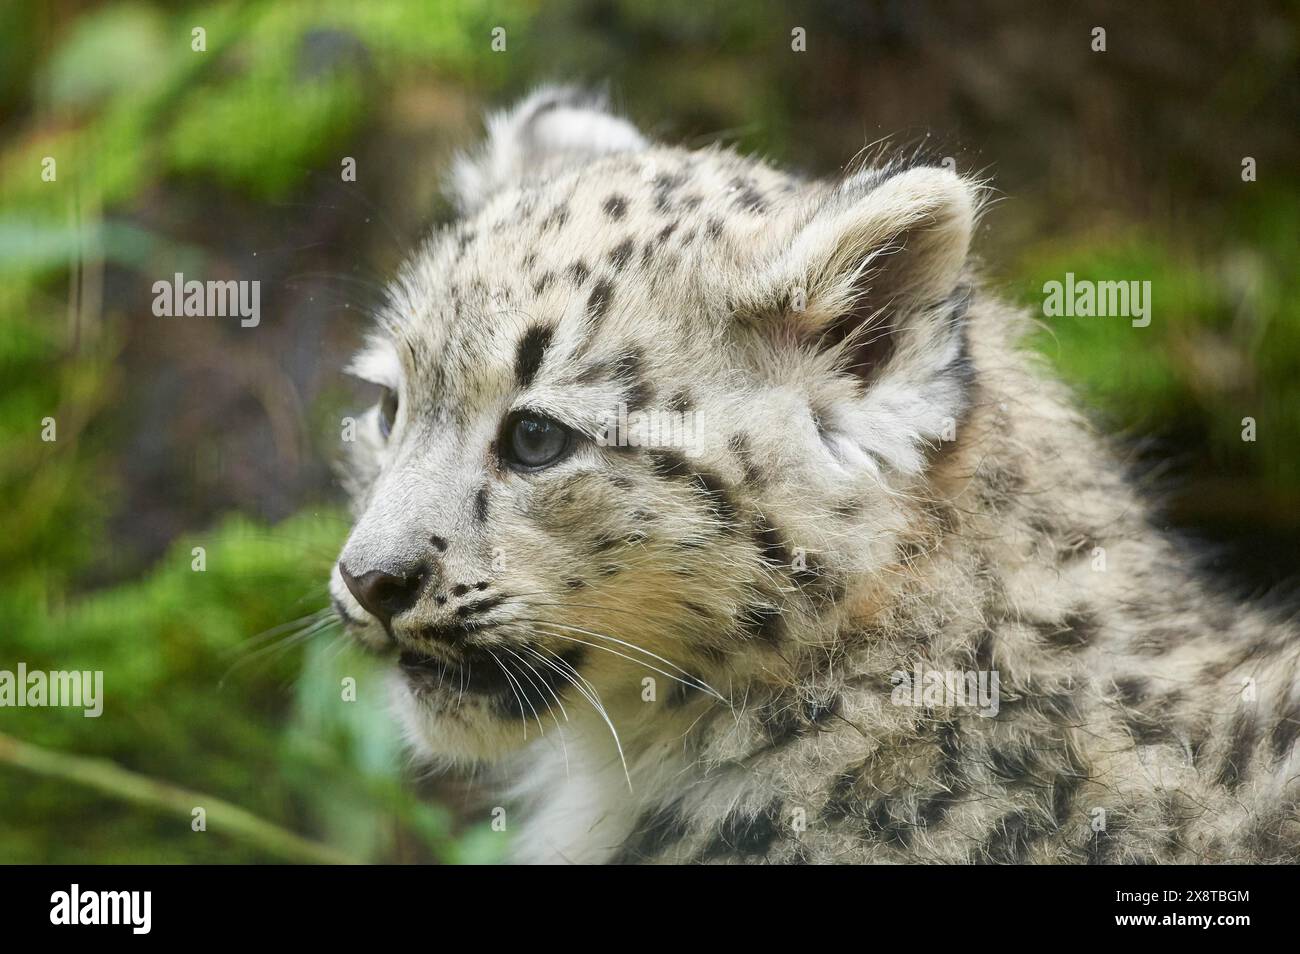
{"type": "Point", "coordinates": [519, 681]}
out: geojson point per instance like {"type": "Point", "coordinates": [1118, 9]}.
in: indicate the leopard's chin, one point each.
{"type": "Point", "coordinates": [481, 705]}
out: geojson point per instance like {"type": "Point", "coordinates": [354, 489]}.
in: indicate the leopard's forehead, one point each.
{"type": "Point", "coordinates": [632, 250]}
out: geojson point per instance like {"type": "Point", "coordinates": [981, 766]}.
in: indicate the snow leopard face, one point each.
{"type": "Point", "coordinates": [650, 418]}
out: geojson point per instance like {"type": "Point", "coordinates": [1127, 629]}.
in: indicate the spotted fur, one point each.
{"type": "Point", "coordinates": [689, 653]}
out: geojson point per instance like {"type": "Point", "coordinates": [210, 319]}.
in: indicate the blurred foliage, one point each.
{"type": "Point", "coordinates": [188, 698]}
{"type": "Point", "coordinates": [225, 163]}
{"type": "Point", "coordinates": [1223, 345]}
{"type": "Point", "coordinates": [132, 105]}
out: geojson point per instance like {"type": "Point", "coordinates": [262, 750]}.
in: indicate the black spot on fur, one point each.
{"type": "Point", "coordinates": [785, 718]}
{"type": "Point", "coordinates": [639, 395]}
{"type": "Point", "coordinates": [845, 799]}
{"type": "Point", "coordinates": [481, 505]}
{"type": "Point", "coordinates": [479, 606]}
{"type": "Point", "coordinates": [1158, 640]}
{"type": "Point", "coordinates": [673, 466]}
{"type": "Point", "coordinates": [627, 370]}
{"type": "Point", "coordinates": [654, 832]}
{"type": "Point", "coordinates": [1236, 761]}
{"type": "Point", "coordinates": [809, 572]}
{"type": "Point", "coordinates": [1013, 763]}
{"type": "Point", "coordinates": [1286, 730]}
{"type": "Point", "coordinates": [1060, 705]}
{"type": "Point", "coordinates": [627, 365]}
{"type": "Point", "coordinates": [780, 721]}
{"type": "Point", "coordinates": [982, 654]}
{"type": "Point", "coordinates": [911, 551]}
{"type": "Point", "coordinates": [811, 576]}
{"type": "Point", "coordinates": [888, 820]}
{"type": "Point", "coordinates": [711, 487]}
{"type": "Point", "coordinates": [665, 187]}
{"type": "Point", "coordinates": [556, 218]}
{"type": "Point", "coordinates": [602, 293]}
{"type": "Point", "coordinates": [745, 835]}
{"type": "Point", "coordinates": [578, 272]}
{"type": "Point", "coordinates": [771, 547]}
{"type": "Point", "coordinates": [1131, 690]}
{"type": "Point", "coordinates": [1011, 839]}
{"type": "Point", "coordinates": [681, 401]}
{"type": "Point", "coordinates": [620, 253]}
{"type": "Point", "coordinates": [1147, 728]}
{"type": "Point", "coordinates": [669, 464]}
{"type": "Point", "coordinates": [1076, 630]}
{"type": "Point", "coordinates": [543, 282]}
{"type": "Point", "coordinates": [615, 207]}
{"type": "Point", "coordinates": [930, 811]}
{"type": "Point", "coordinates": [748, 197]}
{"type": "Point", "coordinates": [531, 351]}
{"type": "Point", "coordinates": [760, 622]}
{"type": "Point", "coordinates": [596, 371]}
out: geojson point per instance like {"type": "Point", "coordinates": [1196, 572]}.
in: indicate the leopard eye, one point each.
{"type": "Point", "coordinates": [387, 412]}
{"type": "Point", "coordinates": [531, 441]}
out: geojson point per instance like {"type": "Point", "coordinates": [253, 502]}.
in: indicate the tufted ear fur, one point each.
{"type": "Point", "coordinates": [872, 274]}
{"type": "Point", "coordinates": [553, 125]}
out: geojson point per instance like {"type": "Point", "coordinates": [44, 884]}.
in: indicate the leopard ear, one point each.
{"type": "Point", "coordinates": [872, 274]}
{"type": "Point", "coordinates": [552, 123]}
{"type": "Point", "coordinates": [877, 255]}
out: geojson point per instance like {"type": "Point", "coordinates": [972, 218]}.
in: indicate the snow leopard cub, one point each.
{"type": "Point", "coordinates": [868, 590]}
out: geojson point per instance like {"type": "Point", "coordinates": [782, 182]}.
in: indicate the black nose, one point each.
{"type": "Point", "coordinates": [383, 594]}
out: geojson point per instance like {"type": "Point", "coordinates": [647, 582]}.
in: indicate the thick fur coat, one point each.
{"type": "Point", "coordinates": [874, 592]}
